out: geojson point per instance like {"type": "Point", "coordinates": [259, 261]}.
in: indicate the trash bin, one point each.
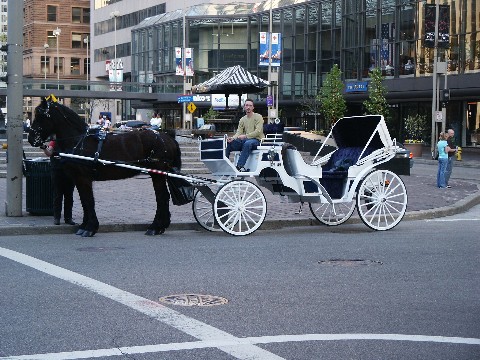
{"type": "Point", "coordinates": [39, 193]}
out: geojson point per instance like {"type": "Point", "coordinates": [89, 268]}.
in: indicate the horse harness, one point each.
{"type": "Point", "coordinates": [99, 134]}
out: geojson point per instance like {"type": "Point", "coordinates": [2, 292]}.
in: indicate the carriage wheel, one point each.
{"type": "Point", "coordinates": [240, 207]}
{"type": "Point", "coordinates": [381, 200]}
{"type": "Point", "coordinates": [203, 213]}
{"type": "Point", "coordinates": [332, 214]}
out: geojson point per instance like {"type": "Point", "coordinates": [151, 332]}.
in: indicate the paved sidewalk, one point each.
{"type": "Point", "coordinates": [129, 205]}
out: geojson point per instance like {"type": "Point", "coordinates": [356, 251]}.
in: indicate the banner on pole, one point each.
{"type": "Point", "coordinates": [266, 58]}
{"type": "Point", "coordinates": [443, 26]}
{"type": "Point", "coordinates": [189, 62]}
{"type": "Point", "coordinates": [178, 61]}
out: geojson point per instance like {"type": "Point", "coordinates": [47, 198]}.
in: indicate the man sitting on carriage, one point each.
{"type": "Point", "coordinates": [247, 137]}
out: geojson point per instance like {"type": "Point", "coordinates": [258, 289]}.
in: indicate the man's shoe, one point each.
{"type": "Point", "coordinates": [56, 221]}
{"type": "Point", "coordinates": [70, 222]}
{"type": "Point", "coordinates": [242, 169]}
{"type": "Point", "coordinates": [449, 187]}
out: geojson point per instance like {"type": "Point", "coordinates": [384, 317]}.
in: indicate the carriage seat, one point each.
{"type": "Point", "coordinates": [338, 164]}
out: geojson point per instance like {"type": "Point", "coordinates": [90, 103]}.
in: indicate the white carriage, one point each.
{"type": "Point", "coordinates": [352, 176]}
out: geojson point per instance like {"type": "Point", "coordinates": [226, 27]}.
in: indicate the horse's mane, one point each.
{"type": "Point", "coordinates": [62, 112]}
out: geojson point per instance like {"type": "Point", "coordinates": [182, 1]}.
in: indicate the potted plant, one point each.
{"type": "Point", "coordinates": [415, 127]}
{"type": "Point", "coordinates": [210, 115]}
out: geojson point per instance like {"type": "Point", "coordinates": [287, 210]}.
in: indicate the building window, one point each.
{"type": "Point", "coordinates": [77, 41]}
{"type": "Point", "coordinates": [51, 39]}
{"type": "Point", "coordinates": [76, 15]}
{"type": "Point", "coordinates": [45, 64]}
{"type": "Point", "coordinates": [51, 13]}
{"type": "Point", "coordinates": [75, 66]}
{"type": "Point", "coordinates": [80, 15]}
{"type": "Point", "coordinates": [57, 61]}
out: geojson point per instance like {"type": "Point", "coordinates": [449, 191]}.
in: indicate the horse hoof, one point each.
{"type": "Point", "coordinates": [80, 232]}
{"type": "Point", "coordinates": [152, 232]}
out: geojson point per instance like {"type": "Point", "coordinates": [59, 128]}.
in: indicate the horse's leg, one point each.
{"type": "Point", "coordinates": [89, 225]}
{"type": "Point", "coordinates": [162, 215]}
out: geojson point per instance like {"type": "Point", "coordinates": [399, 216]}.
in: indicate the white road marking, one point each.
{"type": "Point", "coordinates": [148, 307]}
{"type": "Point", "coordinates": [450, 220]}
{"type": "Point", "coordinates": [241, 348]}
{"type": "Point", "coordinates": [132, 350]}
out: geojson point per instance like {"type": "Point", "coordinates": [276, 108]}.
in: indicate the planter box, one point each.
{"type": "Point", "coordinates": [474, 139]}
{"type": "Point", "coordinates": [416, 149]}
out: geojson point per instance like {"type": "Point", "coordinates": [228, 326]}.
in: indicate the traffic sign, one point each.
{"type": "Point", "coordinates": [184, 98]}
{"type": "Point", "coordinates": [191, 107]}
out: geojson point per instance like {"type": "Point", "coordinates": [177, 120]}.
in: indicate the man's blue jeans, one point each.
{"type": "Point", "coordinates": [245, 146]}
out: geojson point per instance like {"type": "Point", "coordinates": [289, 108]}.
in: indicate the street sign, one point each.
{"type": "Point", "coordinates": [184, 98]}
{"type": "Point", "coordinates": [269, 100]}
{"type": "Point", "coordinates": [191, 107]}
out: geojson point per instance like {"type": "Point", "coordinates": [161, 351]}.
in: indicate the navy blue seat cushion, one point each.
{"type": "Point", "coordinates": [335, 171]}
{"type": "Point", "coordinates": [342, 159]}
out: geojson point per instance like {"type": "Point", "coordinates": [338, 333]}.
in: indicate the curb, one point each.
{"type": "Point", "coordinates": [459, 207]}
{"type": "Point", "coordinates": [461, 163]}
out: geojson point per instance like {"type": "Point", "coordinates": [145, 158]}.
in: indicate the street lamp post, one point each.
{"type": "Point", "coordinates": [86, 40]}
{"type": "Point", "coordinates": [57, 33]}
{"type": "Point", "coordinates": [45, 47]}
{"type": "Point", "coordinates": [114, 15]}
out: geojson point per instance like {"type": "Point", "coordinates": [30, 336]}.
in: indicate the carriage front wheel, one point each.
{"type": "Point", "coordinates": [381, 200]}
{"type": "Point", "coordinates": [240, 207]}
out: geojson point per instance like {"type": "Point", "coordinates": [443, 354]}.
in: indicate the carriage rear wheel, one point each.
{"type": "Point", "coordinates": [381, 200]}
{"type": "Point", "coordinates": [203, 213]}
{"type": "Point", "coordinates": [332, 214]}
{"type": "Point", "coordinates": [240, 207]}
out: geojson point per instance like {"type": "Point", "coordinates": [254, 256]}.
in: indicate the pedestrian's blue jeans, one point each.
{"type": "Point", "coordinates": [448, 170]}
{"type": "Point", "coordinates": [245, 146]}
{"type": "Point", "coordinates": [442, 166]}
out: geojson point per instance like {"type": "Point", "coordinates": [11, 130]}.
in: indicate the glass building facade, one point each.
{"type": "Point", "coordinates": [356, 34]}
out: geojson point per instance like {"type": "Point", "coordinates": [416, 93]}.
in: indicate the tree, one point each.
{"type": "Point", "coordinates": [89, 106]}
{"type": "Point", "coordinates": [310, 105]}
{"type": "Point", "coordinates": [332, 103]}
{"type": "Point", "coordinates": [376, 104]}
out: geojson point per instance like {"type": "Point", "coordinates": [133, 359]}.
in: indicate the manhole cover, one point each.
{"type": "Point", "coordinates": [100, 248]}
{"type": "Point", "coordinates": [193, 300]}
{"type": "Point", "coordinates": [350, 262]}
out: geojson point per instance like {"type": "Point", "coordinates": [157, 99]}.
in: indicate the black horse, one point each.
{"type": "Point", "coordinates": [142, 148]}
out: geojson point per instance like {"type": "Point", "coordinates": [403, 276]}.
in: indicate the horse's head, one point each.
{"type": "Point", "coordinates": [42, 125]}
{"type": "Point", "coordinates": [54, 118]}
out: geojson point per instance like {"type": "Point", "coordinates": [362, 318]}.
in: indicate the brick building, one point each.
{"type": "Point", "coordinates": [41, 21]}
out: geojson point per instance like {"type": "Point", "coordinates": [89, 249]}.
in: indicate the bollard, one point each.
{"type": "Point", "coordinates": [459, 153]}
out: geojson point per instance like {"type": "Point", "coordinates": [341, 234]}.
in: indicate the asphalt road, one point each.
{"type": "Point", "coordinates": [321, 292]}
